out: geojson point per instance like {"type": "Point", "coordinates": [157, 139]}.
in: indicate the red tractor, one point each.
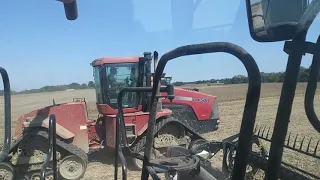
{"type": "Point", "coordinates": [180, 121]}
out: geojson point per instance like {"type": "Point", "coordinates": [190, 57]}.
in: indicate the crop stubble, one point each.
{"type": "Point", "coordinates": [231, 104]}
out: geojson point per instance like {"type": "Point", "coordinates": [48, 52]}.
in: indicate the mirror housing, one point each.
{"type": "Point", "coordinates": [70, 8]}
{"type": "Point", "coordinates": [272, 20]}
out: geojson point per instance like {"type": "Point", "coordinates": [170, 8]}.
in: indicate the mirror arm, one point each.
{"type": "Point", "coordinates": [303, 47]}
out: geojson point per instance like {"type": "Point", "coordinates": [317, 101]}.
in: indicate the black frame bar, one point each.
{"type": "Point", "coordinates": [295, 51]}
{"type": "Point", "coordinates": [51, 150]}
{"type": "Point", "coordinates": [121, 134]}
{"type": "Point", "coordinates": [312, 87]}
{"type": "Point", "coordinates": [251, 105]}
{"type": "Point", "coordinates": [7, 115]}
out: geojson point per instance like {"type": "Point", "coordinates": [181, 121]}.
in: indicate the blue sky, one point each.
{"type": "Point", "coordinates": [40, 47]}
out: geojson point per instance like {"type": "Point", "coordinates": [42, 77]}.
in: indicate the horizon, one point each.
{"type": "Point", "coordinates": [187, 82]}
{"type": "Point", "coordinates": [38, 50]}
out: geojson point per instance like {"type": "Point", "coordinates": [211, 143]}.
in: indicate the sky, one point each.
{"type": "Point", "coordinates": [39, 46]}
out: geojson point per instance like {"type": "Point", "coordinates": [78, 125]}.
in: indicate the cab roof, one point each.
{"type": "Point", "coordinates": [113, 60]}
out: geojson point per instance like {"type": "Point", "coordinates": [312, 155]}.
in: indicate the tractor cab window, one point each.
{"type": "Point", "coordinates": [168, 80]}
{"type": "Point", "coordinates": [165, 81]}
{"type": "Point", "coordinates": [119, 76]}
{"type": "Point", "coordinates": [96, 74]}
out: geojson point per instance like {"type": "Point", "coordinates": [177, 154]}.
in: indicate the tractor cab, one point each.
{"type": "Point", "coordinates": [167, 79]}
{"type": "Point", "coordinates": [113, 74]}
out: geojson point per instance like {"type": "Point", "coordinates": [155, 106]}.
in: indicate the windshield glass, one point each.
{"type": "Point", "coordinates": [166, 80]}
{"type": "Point", "coordinates": [120, 76]}
{"type": "Point", "coordinates": [47, 57]}
{"type": "Point", "coordinates": [97, 85]}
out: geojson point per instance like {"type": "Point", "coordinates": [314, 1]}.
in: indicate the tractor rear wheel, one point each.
{"type": "Point", "coordinates": [72, 167]}
{"type": "Point", "coordinates": [168, 134]}
{"type": "Point", "coordinates": [6, 171]}
{"type": "Point", "coordinates": [30, 152]}
{"type": "Point", "coordinates": [37, 176]}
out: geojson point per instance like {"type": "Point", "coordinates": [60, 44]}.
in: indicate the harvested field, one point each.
{"type": "Point", "coordinates": [231, 104]}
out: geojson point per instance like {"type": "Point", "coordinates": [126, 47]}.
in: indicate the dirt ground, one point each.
{"type": "Point", "coordinates": [231, 104]}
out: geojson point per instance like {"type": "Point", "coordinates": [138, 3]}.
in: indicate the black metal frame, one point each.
{"type": "Point", "coordinates": [121, 135]}
{"type": "Point", "coordinates": [274, 167]}
{"type": "Point", "coordinates": [251, 104]}
{"type": "Point", "coordinates": [7, 115]}
{"type": "Point", "coordinates": [312, 86]}
{"type": "Point", "coordinates": [295, 49]}
{"type": "Point", "coordinates": [70, 9]}
{"type": "Point", "coordinates": [51, 149]}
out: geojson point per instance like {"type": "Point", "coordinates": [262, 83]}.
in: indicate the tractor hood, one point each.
{"type": "Point", "coordinates": [201, 103]}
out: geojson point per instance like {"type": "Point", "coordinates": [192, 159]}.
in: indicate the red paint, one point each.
{"type": "Point", "coordinates": [140, 119]}
{"type": "Point", "coordinates": [201, 109]}
{"type": "Point", "coordinates": [105, 109]}
{"type": "Point", "coordinates": [71, 116]}
{"type": "Point", "coordinates": [111, 60]}
{"type": "Point", "coordinates": [68, 115]}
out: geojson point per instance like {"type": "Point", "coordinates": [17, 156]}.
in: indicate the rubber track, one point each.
{"type": "Point", "coordinates": [142, 141]}
{"type": "Point", "coordinates": [72, 149]}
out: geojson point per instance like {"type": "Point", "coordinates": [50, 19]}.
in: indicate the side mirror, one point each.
{"type": "Point", "coordinates": [70, 8]}
{"type": "Point", "coordinates": [279, 20]}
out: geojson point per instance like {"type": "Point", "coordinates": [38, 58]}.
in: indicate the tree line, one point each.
{"type": "Point", "coordinates": [54, 88]}
{"type": "Point", "coordinates": [239, 79]}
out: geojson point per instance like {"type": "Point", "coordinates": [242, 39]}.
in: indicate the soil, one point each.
{"type": "Point", "coordinates": [231, 103]}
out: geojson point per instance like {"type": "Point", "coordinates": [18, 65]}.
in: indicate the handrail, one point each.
{"type": "Point", "coordinates": [7, 115]}
{"type": "Point", "coordinates": [51, 150]}
{"type": "Point", "coordinates": [251, 105]}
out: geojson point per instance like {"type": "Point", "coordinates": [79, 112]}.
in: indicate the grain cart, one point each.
{"type": "Point", "coordinates": [268, 27]}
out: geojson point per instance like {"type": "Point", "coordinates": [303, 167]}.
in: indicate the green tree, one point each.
{"type": "Point", "coordinates": [84, 86]}
{"type": "Point", "coordinates": [91, 84]}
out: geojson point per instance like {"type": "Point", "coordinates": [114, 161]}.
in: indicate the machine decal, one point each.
{"type": "Point", "coordinates": [206, 100]}
{"type": "Point", "coordinates": [183, 98]}
{"type": "Point", "coordinates": [83, 127]}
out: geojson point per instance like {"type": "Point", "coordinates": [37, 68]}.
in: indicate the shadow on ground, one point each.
{"type": "Point", "coordinates": [106, 156]}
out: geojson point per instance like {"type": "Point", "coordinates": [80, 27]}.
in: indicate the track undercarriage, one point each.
{"type": "Point", "coordinates": [28, 154]}
{"type": "Point", "coordinates": [168, 132]}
